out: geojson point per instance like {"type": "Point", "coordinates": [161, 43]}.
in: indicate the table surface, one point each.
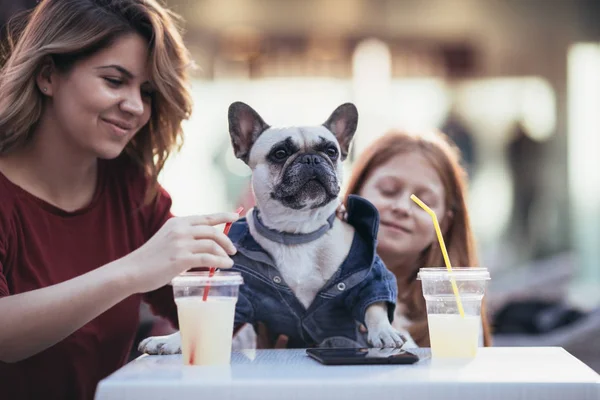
{"type": "Point", "coordinates": [496, 373]}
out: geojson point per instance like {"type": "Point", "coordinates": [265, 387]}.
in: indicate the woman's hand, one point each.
{"type": "Point", "coordinates": [341, 212]}
{"type": "Point", "coordinates": [263, 340]}
{"type": "Point", "coordinates": [180, 244]}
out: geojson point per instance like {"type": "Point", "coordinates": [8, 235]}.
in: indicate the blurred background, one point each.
{"type": "Point", "coordinates": [515, 83]}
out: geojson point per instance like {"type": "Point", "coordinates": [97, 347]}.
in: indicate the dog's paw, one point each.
{"type": "Point", "coordinates": [384, 335]}
{"type": "Point", "coordinates": [409, 342]}
{"type": "Point", "coordinates": [170, 344]}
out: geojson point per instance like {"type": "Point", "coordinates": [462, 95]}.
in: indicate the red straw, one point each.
{"type": "Point", "coordinates": [212, 270]}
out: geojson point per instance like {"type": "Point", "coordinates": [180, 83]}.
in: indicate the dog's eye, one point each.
{"type": "Point", "coordinates": [332, 152]}
{"type": "Point", "coordinates": [280, 154]}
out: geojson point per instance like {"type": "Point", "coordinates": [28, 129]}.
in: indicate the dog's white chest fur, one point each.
{"type": "Point", "coordinates": [306, 268]}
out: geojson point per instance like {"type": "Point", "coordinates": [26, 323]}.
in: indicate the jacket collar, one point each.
{"type": "Point", "coordinates": [362, 215]}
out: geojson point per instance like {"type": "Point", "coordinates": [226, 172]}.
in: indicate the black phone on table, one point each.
{"type": "Point", "coordinates": [362, 356]}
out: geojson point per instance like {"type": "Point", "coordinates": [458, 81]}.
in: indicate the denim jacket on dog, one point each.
{"type": "Point", "coordinates": [335, 312]}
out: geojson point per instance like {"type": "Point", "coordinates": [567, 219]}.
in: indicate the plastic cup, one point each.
{"type": "Point", "coordinates": [452, 335]}
{"type": "Point", "coordinates": [206, 326]}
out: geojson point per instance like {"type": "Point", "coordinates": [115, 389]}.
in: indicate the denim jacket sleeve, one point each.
{"type": "Point", "coordinates": [378, 286]}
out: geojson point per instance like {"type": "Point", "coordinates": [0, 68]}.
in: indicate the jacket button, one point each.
{"type": "Point", "coordinates": [341, 286]}
{"type": "Point", "coordinates": [276, 279]}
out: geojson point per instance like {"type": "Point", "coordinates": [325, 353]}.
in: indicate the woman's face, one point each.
{"type": "Point", "coordinates": [104, 99]}
{"type": "Point", "coordinates": [405, 229]}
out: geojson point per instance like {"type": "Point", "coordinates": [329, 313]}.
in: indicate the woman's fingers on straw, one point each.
{"type": "Point", "coordinates": [210, 232]}
{"type": "Point", "coordinates": [214, 219]}
{"type": "Point", "coordinates": [208, 246]}
{"type": "Point", "coordinates": [210, 260]}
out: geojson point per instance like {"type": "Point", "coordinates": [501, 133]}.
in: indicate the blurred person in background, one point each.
{"type": "Point", "coordinates": [525, 159]}
{"type": "Point", "coordinates": [93, 96]}
{"type": "Point", "coordinates": [462, 137]}
{"type": "Point", "coordinates": [425, 164]}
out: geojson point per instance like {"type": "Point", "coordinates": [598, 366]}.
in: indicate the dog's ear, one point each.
{"type": "Point", "coordinates": [245, 126]}
{"type": "Point", "coordinates": [342, 123]}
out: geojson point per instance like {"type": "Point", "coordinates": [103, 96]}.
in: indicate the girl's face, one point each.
{"type": "Point", "coordinates": [405, 229]}
{"type": "Point", "coordinates": [103, 100]}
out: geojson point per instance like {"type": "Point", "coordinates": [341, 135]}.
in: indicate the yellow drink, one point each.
{"type": "Point", "coordinates": [453, 336]}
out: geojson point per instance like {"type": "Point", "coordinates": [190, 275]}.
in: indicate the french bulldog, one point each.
{"type": "Point", "coordinates": [296, 180]}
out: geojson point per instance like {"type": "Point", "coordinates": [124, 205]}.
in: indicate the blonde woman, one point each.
{"type": "Point", "coordinates": [93, 93]}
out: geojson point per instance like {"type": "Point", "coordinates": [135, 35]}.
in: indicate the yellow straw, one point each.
{"type": "Point", "coordinates": [438, 231]}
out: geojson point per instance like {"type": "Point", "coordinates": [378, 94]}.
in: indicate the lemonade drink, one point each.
{"type": "Point", "coordinates": [206, 328]}
{"type": "Point", "coordinates": [453, 336]}
{"type": "Point", "coordinates": [206, 312]}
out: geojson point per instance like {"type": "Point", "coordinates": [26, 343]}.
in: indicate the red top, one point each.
{"type": "Point", "coordinates": [42, 245]}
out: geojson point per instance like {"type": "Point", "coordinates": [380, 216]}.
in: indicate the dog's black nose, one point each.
{"type": "Point", "coordinates": [310, 159]}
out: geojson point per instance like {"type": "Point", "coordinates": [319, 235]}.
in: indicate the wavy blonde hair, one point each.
{"type": "Point", "coordinates": [69, 30]}
{"type": "Point", "coordinates": [445, 158]}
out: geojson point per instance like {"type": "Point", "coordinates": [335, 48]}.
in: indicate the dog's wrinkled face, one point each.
{"type": "Point", "coordinates": [298, 167]}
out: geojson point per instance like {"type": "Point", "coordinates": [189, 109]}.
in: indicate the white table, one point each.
{"type": "Point", "coordinates": [497, 373]}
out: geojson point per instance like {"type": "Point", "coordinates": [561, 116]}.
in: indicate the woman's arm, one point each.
{"type": "Point", "coordinates": [33, 321]}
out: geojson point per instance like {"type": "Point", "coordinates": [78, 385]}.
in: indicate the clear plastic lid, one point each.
{"type": "Point", "coordinates": [220, 278]}
{"type": "Point", "coordinates": [458, 273]}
